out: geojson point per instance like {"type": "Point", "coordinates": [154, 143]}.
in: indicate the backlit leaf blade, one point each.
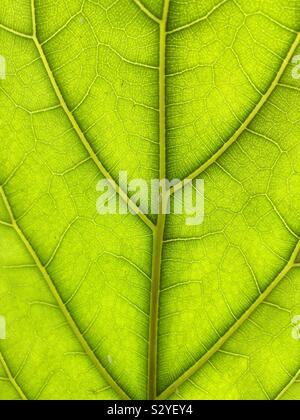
{"type": "Point", "coordinates": [124, 306]}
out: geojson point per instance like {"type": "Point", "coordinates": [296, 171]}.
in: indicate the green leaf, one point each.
{"type": "Point", "coordinates": [136, 306]}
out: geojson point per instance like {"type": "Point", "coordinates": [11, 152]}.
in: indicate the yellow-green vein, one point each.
{"type": "Point", "coordinates": [286, 388]}
{"type": "Point", "coordinates": [248, 121]}
{"type": "Point", "coordinates": [62, 306]}
{"type": "Point", "coordinates": [80, 133]}
{"type": "Point", "coordinates": [12, 380]}
{"type": "Point", "coordinates": [146, 11]}
{"type": "Point", "coordinates": [159, 233]}
{"type": "Point", "coordinates": [14, 32]}
{"type": "Point", "coordinates": [201, 362]}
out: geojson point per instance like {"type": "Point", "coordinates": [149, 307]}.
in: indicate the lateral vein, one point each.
{"type": "Point", "coordinates": [286, 388]}
{"type": "Point", "coordinates": [248, 121]}
{"type": "Point", "coordinates": [62, 306]}
{"type": "Point", "coordinates": [12, 379]}
{"type": "Point", "coordinates": [146, 11]}
{"type": "Point", "coordinates": [13, 31]}
{"type": "Point", "coordinates": [203, 18]}
{"type": "Point", "coordinates": [80, 133]}
{"type": "Point", "coordinates": [223, 340]}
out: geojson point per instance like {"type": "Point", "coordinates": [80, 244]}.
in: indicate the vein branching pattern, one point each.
{"type": "Point", "coordinates": [137, 306]}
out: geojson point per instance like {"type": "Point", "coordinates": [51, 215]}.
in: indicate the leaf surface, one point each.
{"type": "Point", "coordinates": [135, 306]}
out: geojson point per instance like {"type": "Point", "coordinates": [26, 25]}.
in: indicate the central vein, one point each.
{"type": "Point", "coordinates": [159, 233]}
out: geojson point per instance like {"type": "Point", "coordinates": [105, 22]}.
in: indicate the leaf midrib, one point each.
{"type": "Point", "coordinates": [159, 229]}
{"type": "Point", "coordinates": [161, 220]}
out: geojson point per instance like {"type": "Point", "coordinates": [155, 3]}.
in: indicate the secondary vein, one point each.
{"type": "Point", "coordinates": [203, 18]}
{"type": "Point", "coordinates": [146, 11]}
{"type": "Point", "coordinates": [13, 31]}
{"type": "Point", "coordinates": [248, 121]}
{"type": "Point", "coordinates": [80, 133]}
{"type": "Point", "coordinates": [289, 385]}
{"type": "Point", "coordinates": [12, 379]}
{"type": "Point", "coordinates": [291, 264]}
{"type": "Point", "coordinates": [223, 340]}
{"type": "Point", "coordinates": [62, 306]}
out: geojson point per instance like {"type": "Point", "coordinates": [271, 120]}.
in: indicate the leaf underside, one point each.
{"type": "Point", "coordinates": [132, 306]}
